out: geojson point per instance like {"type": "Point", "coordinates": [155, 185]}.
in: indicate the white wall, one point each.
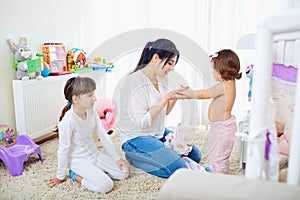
{"type": "Point", "coordinates": [86, 24]}
{"type": "Point", "coordinates": [78, 23]}
{"type": "Point", "coordinates": [42, 21]}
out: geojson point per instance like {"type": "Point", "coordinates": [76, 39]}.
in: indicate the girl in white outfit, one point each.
{"type": "Point", "coordinates": [77, 150]}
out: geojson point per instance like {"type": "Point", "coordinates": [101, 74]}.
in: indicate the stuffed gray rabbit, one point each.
{"type": "Point", "coordinates": [22, 55]}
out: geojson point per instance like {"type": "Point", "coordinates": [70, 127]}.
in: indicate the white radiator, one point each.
{"type": "Point", "coordinates": [38, 103]}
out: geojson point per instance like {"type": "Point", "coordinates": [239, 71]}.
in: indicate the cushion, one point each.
{"type": "Point", "coordinates": [284, 112]}
{"type": "Point", "coordinates": [283, 84]}
{"type": "Point", "coordinates": [190, 184]}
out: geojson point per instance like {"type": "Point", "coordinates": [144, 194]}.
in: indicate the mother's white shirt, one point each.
{"type": "Point", "coordinates": [137, 96]}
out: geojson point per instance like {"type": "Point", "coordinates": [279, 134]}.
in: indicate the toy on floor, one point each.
{"type": "Point", "coordinates": [25, 67]}
{"type": "Point", "coordinates": [14, 151]}
{"type": "Point", "coordinates": [7, 135]}
{"type": "Point", "coordinates": [107, 111]}
{"type": "Point", "coordinates": [181, 140]}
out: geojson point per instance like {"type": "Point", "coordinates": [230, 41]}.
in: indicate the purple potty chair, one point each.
{"type": "Point", "coordinates": [14, 151]}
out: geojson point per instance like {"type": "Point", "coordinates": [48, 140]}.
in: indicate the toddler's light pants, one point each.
{"type": "Point", "coordinates": [221, 136]}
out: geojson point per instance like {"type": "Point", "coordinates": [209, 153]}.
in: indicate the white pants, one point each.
{"type": "Point", "coordinates": [97, 173]}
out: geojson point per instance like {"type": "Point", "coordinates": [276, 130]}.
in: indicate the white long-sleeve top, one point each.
{"type": "Point", "coordinates": [137, 96]}
{"type": "Point", "coordinates": [76, 139]}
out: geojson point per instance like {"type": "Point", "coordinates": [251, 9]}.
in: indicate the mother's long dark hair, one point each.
{"type": "Point", "coordinates": [164, 48]}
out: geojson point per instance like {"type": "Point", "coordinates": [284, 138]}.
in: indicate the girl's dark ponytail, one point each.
{"type": "Point", "coordinates": [68, 92]}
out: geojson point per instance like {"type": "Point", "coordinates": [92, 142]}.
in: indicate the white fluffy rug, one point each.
{"type": "Point", "coordinates": [139, 185]}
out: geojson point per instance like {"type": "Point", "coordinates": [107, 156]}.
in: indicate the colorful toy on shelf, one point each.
{"type": "Point", "coordinates": [35, 65]}
{"type": "Point", "coordinates": [55, 56]}
{"type": "Point", "coordinates": [101, 64]}
{"type": "Point", "coordinates": [14, 151]}
{"type": "Point", "coordinates": [76, 60]}
{"type": "Point", "coordinates": [24, 65]}
{"type": "Point", "coordinates": [249, 74]}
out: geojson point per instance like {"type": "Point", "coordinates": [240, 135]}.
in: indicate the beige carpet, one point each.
{"type": "Point", "coordinates": [32, 184]}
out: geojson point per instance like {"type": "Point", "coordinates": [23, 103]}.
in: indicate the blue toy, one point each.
{"type": "Point", "coordinates": [249, 74]}
{"type": "Point", "coordinates": [101, 64]}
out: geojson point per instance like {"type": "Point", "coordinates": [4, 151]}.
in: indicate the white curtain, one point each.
{"type": "Point", "coordinates": [213, 24]}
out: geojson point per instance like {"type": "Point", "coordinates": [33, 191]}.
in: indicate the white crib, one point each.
{"type": "Point", "coordinates": [280, 29]}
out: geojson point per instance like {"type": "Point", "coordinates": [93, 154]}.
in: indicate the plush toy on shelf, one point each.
{"type": "Point", "coordinates": [24, 65]}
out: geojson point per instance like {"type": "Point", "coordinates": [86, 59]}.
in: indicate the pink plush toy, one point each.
{"type": "Point", "coordinates": [107, 111]}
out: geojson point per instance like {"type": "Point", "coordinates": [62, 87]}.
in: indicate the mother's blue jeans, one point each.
{"type": "Point", "coordinates": [150, 155]}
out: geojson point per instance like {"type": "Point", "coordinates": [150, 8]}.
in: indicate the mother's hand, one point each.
{"type": "Point", "coordinates": [185, 93]}
{"type": "Point", "coordinates": [174, 93]}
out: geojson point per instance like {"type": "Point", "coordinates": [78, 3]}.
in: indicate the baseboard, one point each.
{"type": "Point", "coordinates": [46, 138]}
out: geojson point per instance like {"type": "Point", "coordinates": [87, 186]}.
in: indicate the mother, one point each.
{"type": "Point", "coordinates": [145, 101]}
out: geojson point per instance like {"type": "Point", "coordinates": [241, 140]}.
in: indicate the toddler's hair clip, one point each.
{"type": "Point", "coordinates": [214, 55]}
{"type": "Point", "coordinates": [69, 103]}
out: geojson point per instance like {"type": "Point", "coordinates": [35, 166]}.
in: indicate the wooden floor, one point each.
{"type": "Point", "coordinates": [49, 136]}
